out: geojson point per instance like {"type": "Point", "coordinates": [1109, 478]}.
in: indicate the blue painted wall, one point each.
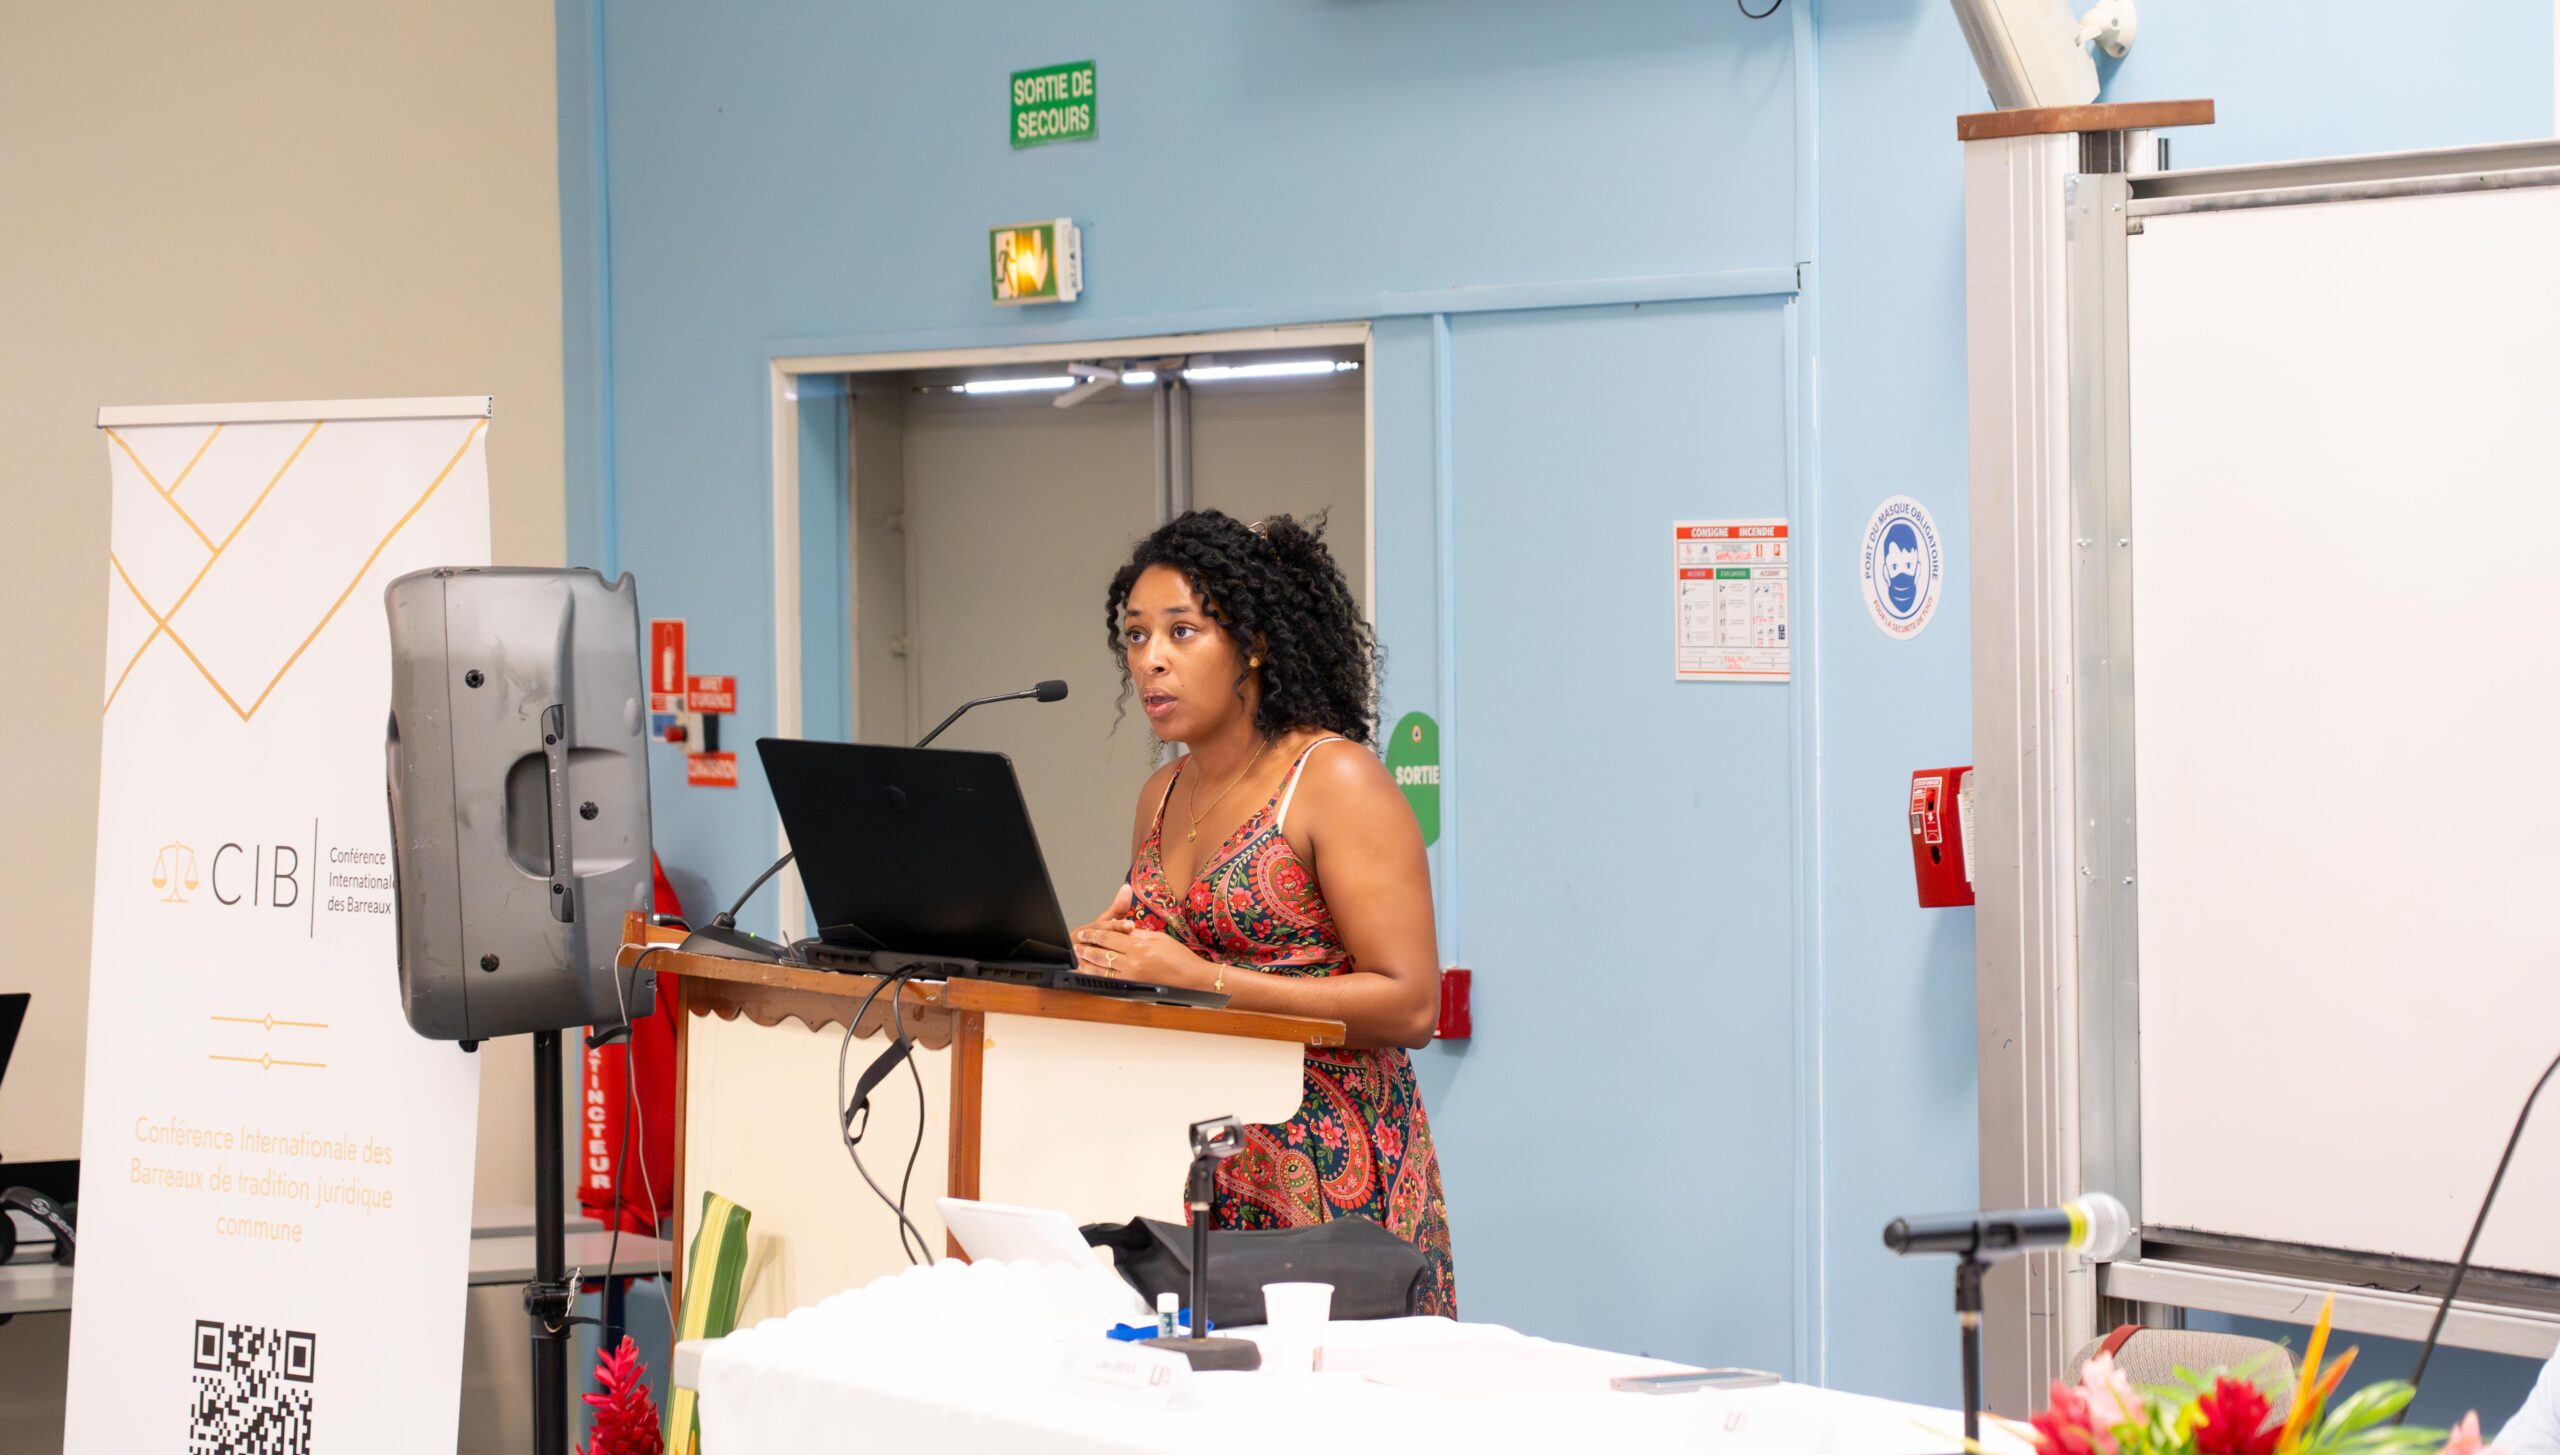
{"type": "Point", "coordinates": [1624, 883]}
{"type": "Point", "coordinates": [818, 178]}
{"type": "Point", "coordinates": [1898, 1009]}
{"type": "Point", "coordinates": [1677, 1047]}
{"type": "Point", "coordinates": [2369, 76]}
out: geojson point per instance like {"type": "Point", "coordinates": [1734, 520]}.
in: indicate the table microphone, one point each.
{"type": "Point", "coordinates": [723, 938]}
{"type": "Point", "coordinates": [2095, 1226]}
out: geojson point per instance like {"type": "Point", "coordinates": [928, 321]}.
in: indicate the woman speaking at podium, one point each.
{"type": "Point", "coordinates": [1277, 862]}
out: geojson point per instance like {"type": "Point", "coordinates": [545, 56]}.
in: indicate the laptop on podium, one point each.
{"type": "Point", "coordinates": [924, 859]}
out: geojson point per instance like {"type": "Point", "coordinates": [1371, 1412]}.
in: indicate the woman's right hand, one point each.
{"type": "Point", "coordinates": [1116, 919]}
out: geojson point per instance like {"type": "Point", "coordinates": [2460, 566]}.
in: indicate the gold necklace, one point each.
{"type": "Point", "coordinates": [1192, 835]}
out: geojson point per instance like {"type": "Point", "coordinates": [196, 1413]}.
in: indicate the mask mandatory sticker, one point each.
{"type": "Point", "coordinates": [1900, 565]}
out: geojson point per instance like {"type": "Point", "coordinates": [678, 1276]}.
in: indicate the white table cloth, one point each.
{"type": "Point", "coordinates": [961, 1358]}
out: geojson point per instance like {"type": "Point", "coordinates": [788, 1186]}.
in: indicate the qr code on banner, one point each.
{"type": "Point", "coordinates": [253, 1390]}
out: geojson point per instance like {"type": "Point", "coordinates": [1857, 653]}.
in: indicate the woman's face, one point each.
{"type": "Point", "coordinates": [1182, 664]}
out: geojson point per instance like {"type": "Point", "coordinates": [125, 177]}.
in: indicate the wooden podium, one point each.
{"type": "Point", "coordinates": [1046, 1098]}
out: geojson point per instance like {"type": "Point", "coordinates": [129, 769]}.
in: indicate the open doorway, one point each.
{"type": "Point", "coordinates": [985, 504]}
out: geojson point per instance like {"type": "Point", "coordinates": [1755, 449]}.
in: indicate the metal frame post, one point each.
{"type": "Point", "coordinates": [2017, 351]}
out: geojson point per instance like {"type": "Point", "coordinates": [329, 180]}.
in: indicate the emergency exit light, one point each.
{"type": "Point", "coordinates": [1036, 262]}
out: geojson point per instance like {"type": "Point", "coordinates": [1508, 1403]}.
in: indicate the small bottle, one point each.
{"type": "Point", "coordinates": [1168, 1315]}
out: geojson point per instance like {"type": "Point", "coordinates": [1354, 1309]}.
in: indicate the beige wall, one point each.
{"type": "Point", "coordinates": [1017, 513]}
{"type": "Point", "coordinates": [1289, 447]}
{"type": "Point", "coordinates": [294, 199]}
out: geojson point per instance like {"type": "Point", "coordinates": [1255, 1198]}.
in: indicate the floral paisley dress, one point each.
{"type": "Point", "coordinates": [1359, 1145]}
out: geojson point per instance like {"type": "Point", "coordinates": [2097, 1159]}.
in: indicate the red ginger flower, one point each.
{"type": "Point", "coordinates": [626, 1419]}
{"type": "Point", "coordinates": [2233, 1418]}
{"type": "Point", "coordinates": [2068, 1427]}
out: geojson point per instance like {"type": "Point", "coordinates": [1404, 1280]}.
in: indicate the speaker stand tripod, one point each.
{"type": "Point", "coordinates": [550, 1298]}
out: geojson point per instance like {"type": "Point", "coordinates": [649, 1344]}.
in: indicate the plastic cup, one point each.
{"type": "Point", "coordinates": [1295, 1315]}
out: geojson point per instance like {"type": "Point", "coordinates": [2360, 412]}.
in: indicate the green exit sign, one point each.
{"type": "Point", "coordinates": [1053, 103]}
{"type": "Point", "coordinates": [1036, 262]}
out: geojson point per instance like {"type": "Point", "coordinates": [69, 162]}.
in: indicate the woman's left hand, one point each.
{"type": "Point", "coordinates": [1142, 955]}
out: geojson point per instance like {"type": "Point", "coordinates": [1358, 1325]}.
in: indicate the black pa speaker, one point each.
{"type": "Point", "coordinates": [519, 782]}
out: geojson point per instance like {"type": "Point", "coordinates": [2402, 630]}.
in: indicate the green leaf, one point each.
{"type": "Point", "coordinates": [2369, 1406]}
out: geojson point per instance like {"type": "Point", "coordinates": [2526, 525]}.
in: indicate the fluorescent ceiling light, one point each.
{"type": "Point", "coordinates": [1031, 385]}
{"type": "Point", "coordinates": [1210, 373]}
{"type": "Point", "coordinates": [1140, 378]}
{"type": "Point", "coordinates": [1288, 369]}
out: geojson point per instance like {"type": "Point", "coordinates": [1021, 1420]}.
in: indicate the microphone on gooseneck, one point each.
{"type": "Point", "coordinates": [723, 938]}
{"type": "Point", "coordinates": [1052, 690]}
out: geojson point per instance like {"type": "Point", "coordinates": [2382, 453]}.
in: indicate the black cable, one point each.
{"type": "Point", "coordinates": [917, 1148]}
{"type": "Point", "coordinates": [1749, 14]}
{"type": "Point", "coordinates": [845, 1114]}
{"type": "Point", "coordinates": [630, 1100]}
{"type": "Point", "coordinates": [2462, 1265]}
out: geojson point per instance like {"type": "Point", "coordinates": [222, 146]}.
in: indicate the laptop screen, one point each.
{"type": "Point", "coordinates": [921, 851]}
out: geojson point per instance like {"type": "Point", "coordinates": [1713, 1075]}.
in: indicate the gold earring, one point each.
{"type": "Point", "coordinates": [1253, 661]}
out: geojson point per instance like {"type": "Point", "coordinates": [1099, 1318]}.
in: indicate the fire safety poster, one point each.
{"type": "Point", "coordinates": [1729, 601]}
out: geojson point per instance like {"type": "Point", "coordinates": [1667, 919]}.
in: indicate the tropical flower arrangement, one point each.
{"type": "Point", "coordinates": [2225, 1413]}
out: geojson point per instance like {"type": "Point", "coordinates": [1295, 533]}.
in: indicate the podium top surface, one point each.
{"type": "Point", "coordinates": [818, 996]}
{"type": "Point", "coordinates": [2053, 120]}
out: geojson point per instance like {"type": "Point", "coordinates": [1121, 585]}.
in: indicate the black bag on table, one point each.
{"type": "Point", "coordinates": [1374, 1273]}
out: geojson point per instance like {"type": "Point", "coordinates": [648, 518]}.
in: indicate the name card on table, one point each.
{"type": "Point", "coordinates": [1126, 1374]}
{"type": "Point", "coordinates": [1739, 1424]}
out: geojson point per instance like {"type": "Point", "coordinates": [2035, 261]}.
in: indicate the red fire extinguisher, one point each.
{"type": "Point", "coordinates": [637, 1072]}
{"type": "Point", "coordinates": [1941, 828]}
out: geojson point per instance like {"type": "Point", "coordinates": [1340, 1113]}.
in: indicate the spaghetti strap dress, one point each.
{"type": "Point", "coordinates": [1359, 1144]}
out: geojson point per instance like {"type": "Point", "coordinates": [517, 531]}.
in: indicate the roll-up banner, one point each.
{"type": "Point", "coordinates": [275, 1185]}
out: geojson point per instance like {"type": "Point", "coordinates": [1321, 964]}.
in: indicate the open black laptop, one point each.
{"type": "Point", "coordinates": [925, 858]}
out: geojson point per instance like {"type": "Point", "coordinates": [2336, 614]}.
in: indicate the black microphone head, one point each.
{"type": "Point", "coordinates": [1052, 690]}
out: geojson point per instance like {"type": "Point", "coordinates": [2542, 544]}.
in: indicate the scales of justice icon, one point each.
{"type": "Point", "coordinates": [174, 869]}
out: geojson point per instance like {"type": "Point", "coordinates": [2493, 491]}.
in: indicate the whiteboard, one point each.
{"type": "Point", "coordinates": [2346, 507]}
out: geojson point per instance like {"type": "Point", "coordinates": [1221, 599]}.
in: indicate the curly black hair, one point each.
{"type": "Point", "coordinates": [1274, 583]}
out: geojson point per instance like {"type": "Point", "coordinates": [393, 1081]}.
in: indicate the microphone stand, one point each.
{"type": "Point", "coordinates": [723, 938]}
{"type": "Point", "coordinates": [2094, 1225]}
{"type": "Point", "coordinates": [1212, 1142]}
{"type": "Point", "coordinates": [1969, 1271]}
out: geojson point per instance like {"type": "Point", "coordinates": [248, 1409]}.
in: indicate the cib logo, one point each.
{"type": "Point", "coordinates": [173, 868]}
{"type": "Point", "coordinates": [264, 875]}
